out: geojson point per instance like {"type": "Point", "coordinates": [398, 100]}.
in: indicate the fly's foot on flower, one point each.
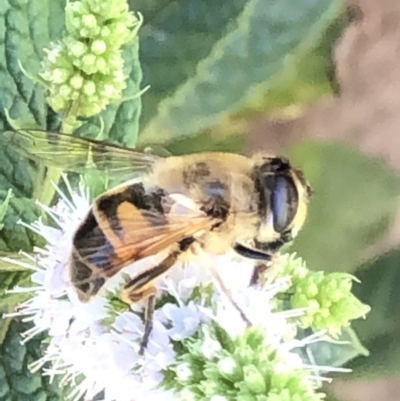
{"type": "Point", "coordinates": [148, 323]}
{"type": "Point", "coordinates": [134, 292]}
{"type": "Point", "coordinates": [258, 273]}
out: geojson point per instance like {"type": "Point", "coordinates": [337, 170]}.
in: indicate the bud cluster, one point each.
{"type": "Point", "coordinates": [216, 367]}
{"type": "Point", "coordinates": [326, 298]}
{"type": "Point", "coordinates": [84, 71]}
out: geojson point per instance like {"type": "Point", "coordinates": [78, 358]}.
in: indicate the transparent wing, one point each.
{"type": "Point", "coordinates": [76, 154]}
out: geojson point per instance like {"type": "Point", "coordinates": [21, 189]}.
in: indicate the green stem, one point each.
{"type": "Point", "coordinates": [47, 189]}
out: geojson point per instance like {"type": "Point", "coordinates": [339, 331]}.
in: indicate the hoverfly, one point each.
{"type": "Point", "coordinates": [221, 202]}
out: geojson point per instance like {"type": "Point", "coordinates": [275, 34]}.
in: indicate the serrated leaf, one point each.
{"type": "Point", "coordinates": [174, 38]}
{"type": "Point", "coordinates": [26, 27]}
{"type": "Point", "coordinates": [14, 236]}
{"type": "Point", "coordinates": [380, 281]}
{"type": "Point", "coordinates": [268, 37]}
{"type": "Point", "coordinates": [355, 201]}
{"type": "Point", "coordinates": [16, 382]}
{"type": "Point", "coordinates": [334, 354]}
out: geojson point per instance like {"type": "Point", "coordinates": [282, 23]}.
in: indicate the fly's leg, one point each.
{"type": "Point", "coordinates": [223, 289]}
{"type": "Point", "coordinates": [264, 252]}
{"type": "Point", "coordinates": [149, 294]}
{"type": "Point", "coordinates": [142, 288]}
{"type": "Point", "coordinates": [148, 323]}
{"type": "Point", "coordinates": [258, 271]}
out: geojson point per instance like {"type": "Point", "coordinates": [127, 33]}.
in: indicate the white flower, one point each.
{"type": "Point", "coordinates": [80, 342]}
{"type": "Point", "coordinates": [182, 321]}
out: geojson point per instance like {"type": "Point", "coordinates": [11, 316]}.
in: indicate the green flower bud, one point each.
{"type": "Point", "coordinates": [98, 47]}
{"type": "Point", "coordinates": [228, 368]}
{"type": "Point", "coordinates": [254, 379]}
{"type": "Point", "coordinates": [108, 90]}
{"type": "Point", "coordinates": [89, 21]}
{"type": "Point", "coordinates": [88, 63]}
{"type": "Point", "coordinates": [105, 32]}
{"type": "Point", "coordinates": [183, 371]}
{"type": "Point", "coordinates": [210, 388]}
{"type": "Point", "coordinates": [65, 91]}
{"type": "Point", "coordinates": [58, 102]}
{"type": "Point", "coordinates": [77, 82]}
{"type": "Point", "coordinates": [210, 348]}
{"type": "Point", "coordinates": [60, 75]}
{"type": "Point", "coordinates": [188, 395]}
{"type": "Point", "coordinates": [100, 64]}
{"type": "Point", "coordinates": [311, 290]}
{"type": "Point", "coordinates": [77, 48]}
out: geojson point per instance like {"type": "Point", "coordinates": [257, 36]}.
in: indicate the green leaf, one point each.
{"type": "Point", "coordinates": [7, 301]}
{"type": "Point", "coordinates": [332, 353]}
{"type": "Point", "coordinates": [16, 382]}
{"type": "Point", "coordinates": [266, 39]}
{"type": "Point", "coordinates": [14, 236]}
{"type": "Point", "coordinates": [26, 27]}
{"type": "Point", "coordinates": [174, 38]}
{"type": "Point", "coordinates": [355, 201]}
{"type": "Point", "coordinates": [96, 181]}
{"type": "Point", "coordinates": [380, 332]}
{"type": "Point", "coordinates": [309, 78]}
{"type": "Point", "coordinates": [25, 31]}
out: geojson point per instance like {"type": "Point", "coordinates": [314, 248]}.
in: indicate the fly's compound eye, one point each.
{"type": "Point", "coordinates": [284, 201]}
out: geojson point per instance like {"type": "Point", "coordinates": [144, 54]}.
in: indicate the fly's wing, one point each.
{"type": "Point", "coordinates": [75, 154]}
{"type": "Point", "coordinates": [104, 246]}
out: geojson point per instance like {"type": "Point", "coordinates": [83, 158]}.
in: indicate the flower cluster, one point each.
{"type": "Point", "coordinates": [218, 364]}
{"type": "Point", "coordinates": [200, 347]}
{"type": "Point", "coordinates": [84, 71]}
{"type": "Point", "coordinates": [327, 298]}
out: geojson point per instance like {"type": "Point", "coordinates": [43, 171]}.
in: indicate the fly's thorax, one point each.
{"type": "Point", "coordinates": [202, 172]}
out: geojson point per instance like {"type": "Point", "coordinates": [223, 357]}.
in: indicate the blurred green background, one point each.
{"type": "Point", "coordinates": [313, 79]}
